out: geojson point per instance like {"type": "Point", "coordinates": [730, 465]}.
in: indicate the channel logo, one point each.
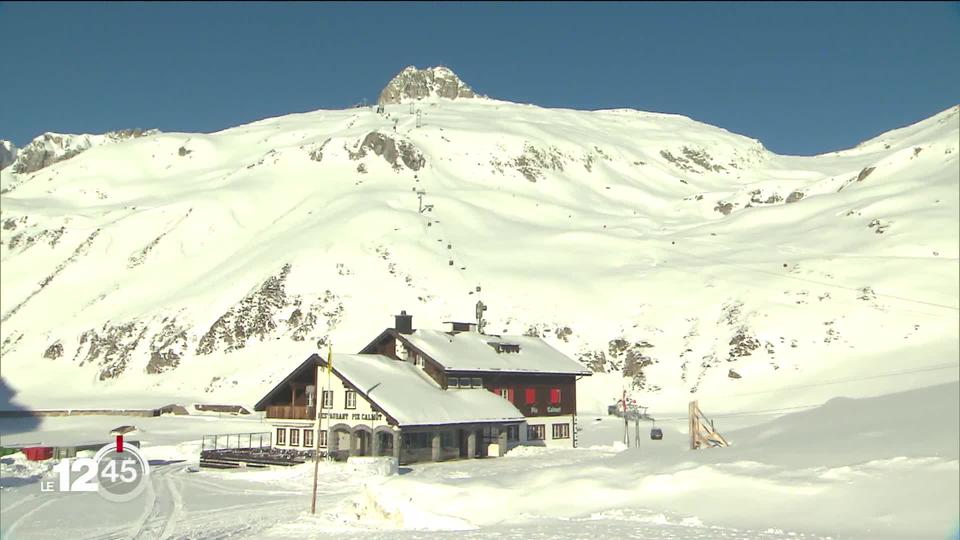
{"type": "Point", "coordinates": [117, 472]}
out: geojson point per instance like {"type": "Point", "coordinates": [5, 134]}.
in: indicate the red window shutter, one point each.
{"type": "Point", "coordinates": [495, 391]}
{"type": "Point", "coordinates": [531, 396]}
{"type": "Point", "coordinates": [510, 395]}
{"type": "Point", "coordinates": [554, 396]}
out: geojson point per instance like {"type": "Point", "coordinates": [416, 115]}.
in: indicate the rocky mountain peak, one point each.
{"type": "Point", "coordinates": [50, 148]}
{"type": "Point", "coordinates": [8, 153]}
{"type": "Point", "coordinates": [417, 84]}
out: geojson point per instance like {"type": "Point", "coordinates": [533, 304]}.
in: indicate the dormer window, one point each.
{"type": "Point", "coordinates": [503, 348]}
{"type": "Point", "coordinates": [457, 327]}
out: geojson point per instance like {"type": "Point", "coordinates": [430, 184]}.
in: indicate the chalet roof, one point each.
{"type": "Point", "coordinates": [472, 351]}
{"type": "Point", "coordinates": [411, 397]}
{"type": "Point", "coordinates": [405, 393]}
{"type": "Point", "coordinates": [281, 386]}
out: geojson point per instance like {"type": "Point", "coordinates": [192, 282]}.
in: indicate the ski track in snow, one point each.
{"type": "Point", "coordinates": [864, 469]}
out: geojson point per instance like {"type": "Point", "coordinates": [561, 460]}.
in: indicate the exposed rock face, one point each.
{"type": "Point", "coordinates": [416, 84]}
{"type": "Point", "coordinates": [258, 316]}
{"type": "Point", "coordinates": [794, 197]}
{"type": "Point", "coordinates": [111, 348]}
{"type": "Point", "coordinates": [867, 170]}
{"type": "Point", "coordinates": [51, 148]}
{"type": "Point", "coordinates": [46, 150]}
{"type": "Point", "coordinates": [54, 351]}
{"type": "Point", "coordinates": [621, 355]}
{"type": "Point", "coordinates": [756, 197]}
{"type": "Point", "coordinates": [390, 149]}
{"type": "Point", "coordinates": [253, 316]}
{"type": "Point", "coordinates": [532, 162]}
{"type": "Point", "coordinates": [724, 207]}
{"type": "Point", "coordinates": [692, 156]}
{"type": "Point", "coordinates": [8, 154]}
{"type": "Point", "coordinates": [167, 347]}
{"type": "Point", "coordinates": [742, 344]}
{"type": "Point", "coordinates": [24, 239]}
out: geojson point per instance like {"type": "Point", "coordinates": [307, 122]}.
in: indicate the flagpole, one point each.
{"type": "Point", "coordinates": [316, 450]}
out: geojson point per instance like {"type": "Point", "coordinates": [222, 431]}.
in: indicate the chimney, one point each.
{"type": "Point", "coordinates": [403, 323]}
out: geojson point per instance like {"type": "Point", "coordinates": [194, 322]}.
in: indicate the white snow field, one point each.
{"type": "Point", "coordinates": [870, 468]}
{"type": "Point", "coordinates": [144, 277]}
{"type": "Point", "coordinates": [673, 258]}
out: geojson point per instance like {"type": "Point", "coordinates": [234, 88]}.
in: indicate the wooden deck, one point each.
{"type": "Point", "coordinates": [291, 412]}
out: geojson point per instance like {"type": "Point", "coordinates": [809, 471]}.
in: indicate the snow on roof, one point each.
{"type": "Point", "coordinates": [408, 395]}
{"type": "Point", "coordinates": [472, 351]}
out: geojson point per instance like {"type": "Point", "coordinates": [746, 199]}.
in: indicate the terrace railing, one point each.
{"type": "Point", "coordinates": [237, 441]}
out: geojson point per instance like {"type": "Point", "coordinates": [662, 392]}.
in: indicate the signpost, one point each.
{"type": "Point", "coordinates": [316, 444]}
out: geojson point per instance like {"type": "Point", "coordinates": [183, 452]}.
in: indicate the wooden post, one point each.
{"type": "Point", "coordinates": [316, 453]}
{"type": "Point", "coordinates": [702, 432]}
{"type": "Point", "coordinates": [692, 424]}
{"type": "Point", "coordinates": [316, 447]}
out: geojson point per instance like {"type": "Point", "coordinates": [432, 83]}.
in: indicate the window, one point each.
{"type": "Point", "coordinates": [323, 438]}
{"type": "Point", "coordinates": [308, 438]}
{"type": "Point", "coordinates": [561, 431]}
{"type": "Point", "coordinates": [531, 396]}
{"type": "Point", "coordinates": [554, 396]}
{"type": "Point", "coordinates": [417, 360]}
{"type": "Point", "coordinates": [351, 399]}
{"type": "Point", "coordinates": [328, 399]}
{"type": "Point", "coordinates": [281, 436]}
{"type": "Point", "coordinates": [447, 439]}
{"type": "Point", "coordinates": [507, 394]}
{"type": "Point", "coordinates": [452, 382]}
{"type": "Point", "coordinates": [417, 440]}
{"type": "Point", "coordinates": [294, 437]}
{"type": "Point", "coordinates": [513, 433]}
{"type": "Point", "coordinates": [477, 382]}
{"type": "Point", "coordinates": [536, 432]}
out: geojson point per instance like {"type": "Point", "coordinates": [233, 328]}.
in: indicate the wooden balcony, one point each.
{"type": "Point", "coordinates": [291, 412]}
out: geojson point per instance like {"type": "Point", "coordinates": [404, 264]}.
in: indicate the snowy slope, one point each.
{"type": "Point", "coordinates": [875, 468]}
{"type": "Point", "coordinates": [186, 266]}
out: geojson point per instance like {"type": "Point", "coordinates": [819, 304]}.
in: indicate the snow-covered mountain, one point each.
{"type": "Point", "coordinates": [51, 148]}
{"type": "Point", "coordinates": [189, 266]}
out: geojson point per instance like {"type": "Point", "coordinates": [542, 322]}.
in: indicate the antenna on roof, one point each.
{"type": "Point", "coordinates": [480, 322]}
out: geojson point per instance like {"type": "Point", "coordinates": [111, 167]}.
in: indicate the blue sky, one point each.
{"type": "Point", "coordinates": [803, 78]}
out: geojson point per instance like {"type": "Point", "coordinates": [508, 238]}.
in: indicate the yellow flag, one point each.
{"type": "Point", "coordinates": [329, 360]}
